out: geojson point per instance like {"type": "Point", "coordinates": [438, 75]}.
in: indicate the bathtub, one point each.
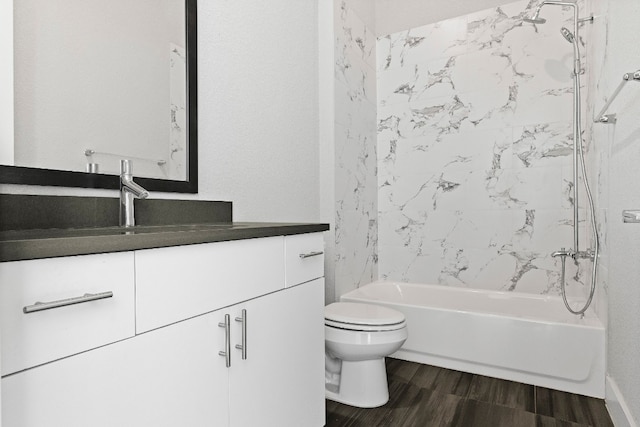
{"type": "Point", "coordinates": [526, 338]}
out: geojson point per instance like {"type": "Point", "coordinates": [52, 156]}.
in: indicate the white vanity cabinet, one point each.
{"type": "Point", "coordinates": [30, 339]}
{"type": "Point", "coordinates": [281, 381]}
{"type": "Point", "coordinates": [168, 377]}
{"type": "Point", "coordinates": [168, 370]}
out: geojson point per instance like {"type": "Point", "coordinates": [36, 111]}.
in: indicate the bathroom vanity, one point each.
{"type": "Point", "coordinates": [222, 332]}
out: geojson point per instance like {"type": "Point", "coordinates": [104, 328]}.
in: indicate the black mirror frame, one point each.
{"type": "Point", "coordinates": [60, 178]}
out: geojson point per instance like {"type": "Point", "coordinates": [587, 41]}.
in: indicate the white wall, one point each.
{"type": "Point", "coordinates": [258, 88]}
{"type": "Point", "coordinates": [326, 87]}
{"type": "Point", "coordinates": [258, 110]}
{"type": "Point", "coordinates": [618, 152]}
{"type": "Point", "coordinates": [6, 83]}
{"type": "Point", "coordinates": [6, 100]}
{"type": "Point", "coordinates": [397, 15]}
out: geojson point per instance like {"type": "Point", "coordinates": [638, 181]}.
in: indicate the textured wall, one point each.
{"type": "Point", "coordinates": [258, 74]}
{"type": "Point", "coordinates": [6, 83]}
{"type": "Point", "coordinates": [474, 149]}
{"type": "Point", "coordinates": [355, 151]}
{"type": "Point", "coordinates": [617, 148]}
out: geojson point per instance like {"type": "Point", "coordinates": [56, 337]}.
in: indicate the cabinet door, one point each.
{"type": "Point", "coordinates": [281, 383]}
{"type": "Point", "coordinates": [172, 376]}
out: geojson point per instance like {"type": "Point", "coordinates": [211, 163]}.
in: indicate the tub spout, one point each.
{"type": "Point", "coordinates": [563, 253]}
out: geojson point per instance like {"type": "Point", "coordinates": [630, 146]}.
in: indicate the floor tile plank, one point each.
{"type": "Point", "coordinates": [433, 409]}
{"type": "Point", "coordinates": [482, 414]}
{"type": "Point", "coordinates": [443, 381]}
{"type": "Point", "coordinates": [572, 407]}
{"type": "Point", "coordinates": [428, 396]}
{"type": "Point", "coordinates": [502, 392]}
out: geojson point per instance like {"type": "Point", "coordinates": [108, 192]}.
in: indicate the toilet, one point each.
{"type": "Point", "coordinates": [357, 339]}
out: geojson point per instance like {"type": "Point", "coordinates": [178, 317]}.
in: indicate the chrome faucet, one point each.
{"type": "Point", "coordinates": [128, 190]}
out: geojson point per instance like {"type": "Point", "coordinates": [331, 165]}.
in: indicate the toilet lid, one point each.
{"type": "Point", "coordinates": [362, 314]}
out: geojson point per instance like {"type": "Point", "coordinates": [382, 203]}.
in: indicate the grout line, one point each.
{"type": "Point", "coordinates": [535, 399]}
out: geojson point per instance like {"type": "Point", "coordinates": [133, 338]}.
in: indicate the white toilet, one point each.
{"type": "Point", "coordinates": [357, 339]}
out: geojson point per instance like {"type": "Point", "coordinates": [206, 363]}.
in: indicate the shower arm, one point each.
{"type": "Point", "coordinates": [611, 118]}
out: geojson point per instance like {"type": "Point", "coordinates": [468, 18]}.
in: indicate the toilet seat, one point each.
{"type": "Point", "coordinates": [363, 317]}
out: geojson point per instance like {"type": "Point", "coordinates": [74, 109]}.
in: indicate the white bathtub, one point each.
{"type": "Point", "coordinates": [527, 338]}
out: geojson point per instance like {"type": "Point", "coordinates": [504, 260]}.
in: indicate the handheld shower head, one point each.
{"type": "Point", "coordinates": [568, 35]}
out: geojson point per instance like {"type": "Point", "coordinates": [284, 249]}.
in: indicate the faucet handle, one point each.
{"type": "Point", "coordinates": [126, 166]}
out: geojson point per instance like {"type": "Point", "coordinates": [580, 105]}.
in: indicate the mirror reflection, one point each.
{"type": "Point", "coordinates": [95, 82]}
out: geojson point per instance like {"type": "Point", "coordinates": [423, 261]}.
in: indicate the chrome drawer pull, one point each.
{"type": "Point", "coordinates": [243, 346]}
{"type": "Point", "coordinates": [310, 254]}
{"type": "Point", "coordinates": [39, 306]}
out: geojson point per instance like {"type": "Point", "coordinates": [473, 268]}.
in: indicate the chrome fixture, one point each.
{"type": "Point", "coordinates": [589, 19]}
{"type": "Point", "coordinates": [631, 216]}
{"type": "Point", "coordinates": [611, 118]}
{"type": "Point", "coordinates": [243, 347]}
{"type": "Point", "coordinates": [311, 254]}
{"type": "Point", "coordinates": [563, 253]}
{"type": "Point", "coordinates": [92, 168]}
{"type": "Point", "coordinates": [89, 152]}
{"type": "Point", "coordinates": [128, 190]}
{"type": "Point", "coordinates": [40, 306]}
{"type": "Point", "coordinates": [567, 35]}
{"type": "Point", "coordinates": [227, 340]}
{"type": "Point", "coordinates": [578, 159]}
{"type": "Point", "coordinates": [535, 19]}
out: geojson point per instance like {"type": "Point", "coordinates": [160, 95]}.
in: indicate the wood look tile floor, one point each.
{"type": "Point", "coordinates": [426, 396]}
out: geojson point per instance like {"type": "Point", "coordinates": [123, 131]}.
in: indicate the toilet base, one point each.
{"type": "Point", "coordinates": [363, 384]}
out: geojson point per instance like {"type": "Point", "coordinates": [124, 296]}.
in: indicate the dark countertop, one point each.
{"type": "Point", "coordinates": [48, 243]}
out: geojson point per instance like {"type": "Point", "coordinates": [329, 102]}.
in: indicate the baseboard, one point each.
{"type": "Point", "coordinates": [616, 405]}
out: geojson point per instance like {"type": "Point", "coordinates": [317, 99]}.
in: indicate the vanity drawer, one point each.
{"type": "Point", "coordinates": [174, 284]}
{"type": "Point", "coordinates": [304, 258]}
{"type": "Point", "coordinates": [40, 336]}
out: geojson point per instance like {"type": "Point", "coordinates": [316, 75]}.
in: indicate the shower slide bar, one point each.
{"type": "Point", "coordinates": [611, 118]}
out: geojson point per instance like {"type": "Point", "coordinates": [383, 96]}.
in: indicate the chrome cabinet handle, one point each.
{"type": "Point", "coordinates": [227, 340]}
{"type": "Point", "coordinates": [310, 254]}
{"type": "Point", "coordinates": [39, 306]}
{"type": "Point", "coordinates": [243, 346]}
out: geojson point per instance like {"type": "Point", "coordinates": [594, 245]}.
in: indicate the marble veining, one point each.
{"type": "Point", "coordinates": [356, 211]}
{"type": "Point", "coordinates": [474, 147]}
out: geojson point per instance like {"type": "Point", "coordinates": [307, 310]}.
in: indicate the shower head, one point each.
{"type": "Point", "coordinates": [535, 19]}
{"type": "Point", "coordinates": [568, 35]}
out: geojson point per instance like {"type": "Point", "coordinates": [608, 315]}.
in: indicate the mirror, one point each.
{"type": "Point", "coordinates": [95, 82]}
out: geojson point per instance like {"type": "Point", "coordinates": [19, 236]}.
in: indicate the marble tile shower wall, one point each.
{"type": "Point", "coordinates": [474, 152]}
{"type": "Point", "coordinates": [356, 221]}
{"type": "Point", "coordinates": [600, 139]}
